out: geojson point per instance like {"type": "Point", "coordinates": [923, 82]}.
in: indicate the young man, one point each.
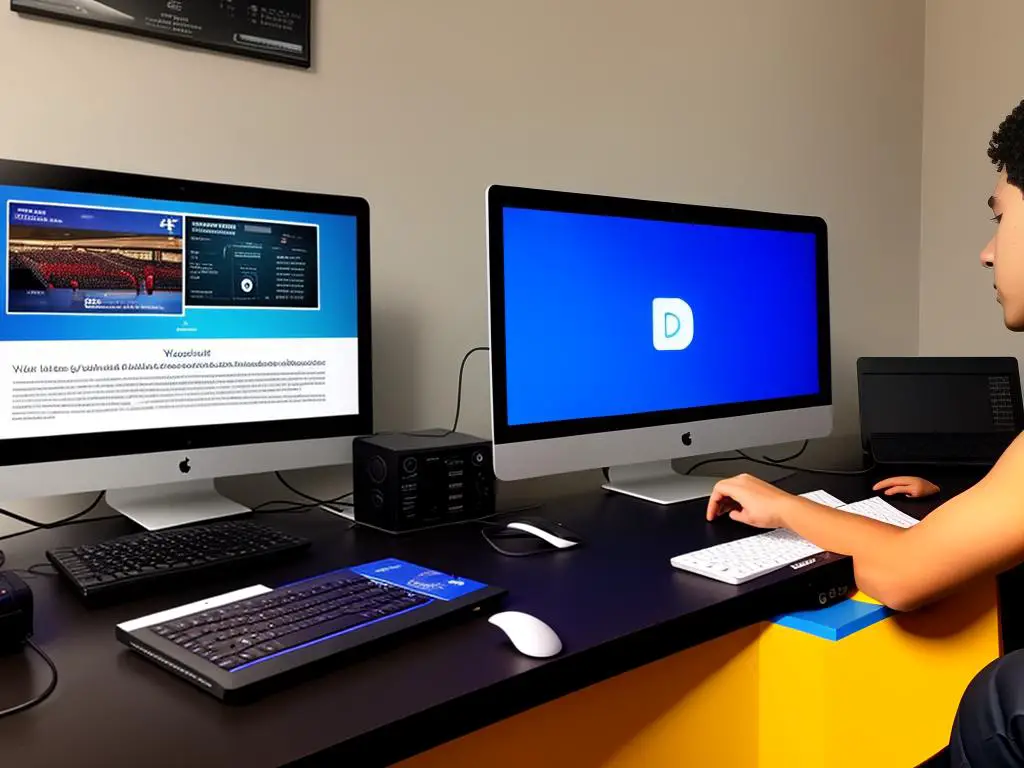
{"type": "Point", "coordinates": [978, 533]}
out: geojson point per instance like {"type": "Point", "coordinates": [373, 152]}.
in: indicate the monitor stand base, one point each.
{"type": "Point", "coordinates": [156, 507]}
{"type": "Point", "coordinates": [658, 482]}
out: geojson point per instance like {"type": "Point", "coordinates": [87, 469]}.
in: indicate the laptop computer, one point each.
{"type": "Point", "coordinates": [952, 411]}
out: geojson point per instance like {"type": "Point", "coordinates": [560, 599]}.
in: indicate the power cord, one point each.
{"type": "Point", "coordinates": [45, 694]}
{"type": "Point", "coordinates": [800, 452]}
{"type": "Point", "coordinates": [458, 401]}
{"type": "Point", "coordinates": [486, 520]}
{"type": "Point", "coordinates": [462, 371]}
{"type": "Point", "coordinates": [837, 472]}
{"type": "Point", "coordinates": [340, 500]}
{"type": "Point", "coordinates": [782, 463]}
{"type": "Point", "coordinates": [74, 519]}
{"type": "Point", "coordinates": [726, 459]}
{"type": "Point", "coordinates": [59, 523]}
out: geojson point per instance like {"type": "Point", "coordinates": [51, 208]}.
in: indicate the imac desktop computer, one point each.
{"type": "Point", "coordinates": [156, 334]}
{"type": "Point", "coordinates": [626, 334]}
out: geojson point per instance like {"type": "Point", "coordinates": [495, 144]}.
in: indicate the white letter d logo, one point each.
{"type": "Point", "coordinates": [673, 325]}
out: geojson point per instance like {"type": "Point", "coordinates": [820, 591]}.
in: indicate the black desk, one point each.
{"type": "Point", "coordinates": [113, 708]}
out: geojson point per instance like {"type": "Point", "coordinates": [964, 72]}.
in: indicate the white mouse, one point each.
{"type": "Point", "coordinates": [530, 635]}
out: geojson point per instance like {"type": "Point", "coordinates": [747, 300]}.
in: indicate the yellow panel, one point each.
{"type": "Point", "coordinates": [697, 708]}
{"type": "Point", "coordinates": [885, 696]}
{"type": "Point", "coordinates": [793, 716]}
{"type": "Point", "coordinates": [765, 697]}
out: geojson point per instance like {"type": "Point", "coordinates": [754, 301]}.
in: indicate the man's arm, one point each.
{"type": "Point", "coordinates": [979, 532]}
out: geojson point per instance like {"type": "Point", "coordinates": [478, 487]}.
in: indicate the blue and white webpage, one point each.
{"type": "Point", "coordinates": [126, 314]}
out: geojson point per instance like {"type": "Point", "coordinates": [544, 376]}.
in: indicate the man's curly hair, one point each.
{"type": "Point", "coordinates": [1006, 149]}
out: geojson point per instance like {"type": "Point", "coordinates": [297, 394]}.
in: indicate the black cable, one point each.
{"type": "Point", "coordinates": [837, 472]}
{"type": "Point", "coordinates": [719, 460]}
{"type": "Point", "coordinates": [285, 507]}
{"type": "Point", "coordinates": [767, 461]}
{"type": "Point", "coordinates": [458, 401]}
{"type": "Point", "coordinates": [796, 455]}
{"type": "Point", "coordinates": [486, 520]}
{"type": "Point", "coordinates": [340, 500]}
{"type": "Point", "coordinates": [45, 694]}
{"type": "Point", "coordinates": [50, 526]}
{"type": "Point", "coordinates": [70, 520]}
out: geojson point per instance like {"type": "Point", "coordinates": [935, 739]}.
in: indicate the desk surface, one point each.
{"type": "Point", "coordinates": [616, 603]}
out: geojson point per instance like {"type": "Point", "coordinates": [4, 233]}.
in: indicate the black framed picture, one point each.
{"type": "Point", "coordinates": [273, 30]}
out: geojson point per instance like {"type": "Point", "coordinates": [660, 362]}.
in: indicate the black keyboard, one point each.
{"type": "Point", "coordinates": [244, 632]}
{"type": "Point", "coordinates": [235, 644]}
{"type": "Point", "coordinates": [121, 566]}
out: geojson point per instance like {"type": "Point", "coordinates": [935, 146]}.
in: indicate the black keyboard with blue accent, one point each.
{"type": "Point", "coordinates": [231, 644]}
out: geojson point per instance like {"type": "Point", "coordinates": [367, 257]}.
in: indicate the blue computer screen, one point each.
{"type": "Point", "coordinates": [609, 316]}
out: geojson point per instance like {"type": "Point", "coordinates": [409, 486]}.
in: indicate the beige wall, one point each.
{"type": "Point", "coordinates": [974, 63]}
{"type": "Point", "coordinates": [811, 106]}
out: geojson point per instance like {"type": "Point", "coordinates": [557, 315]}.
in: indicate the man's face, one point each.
{"type": "Point", "coordinates": [1004, 253]}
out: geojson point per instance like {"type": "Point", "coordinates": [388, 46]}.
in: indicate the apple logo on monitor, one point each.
{"type": "Point", "coordinates": [687, 439]}
{"type": "Point", "coordinates": [184, 467]}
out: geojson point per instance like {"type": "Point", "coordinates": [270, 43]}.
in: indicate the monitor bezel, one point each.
{"type": "Point", "coordinates": [500, 197]}
{"type": "Point", "coordinates": [95, 445]}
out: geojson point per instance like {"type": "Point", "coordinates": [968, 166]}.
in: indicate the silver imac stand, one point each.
{"type": "Point", "coordinates": [156, 507]}
{"type": "Point", "coordinates": [658, 482]}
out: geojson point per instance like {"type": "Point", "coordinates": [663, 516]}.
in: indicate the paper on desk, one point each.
{"type": "Point", "coordinates": [824, 497]}
{"type": "Point", "coordinates": [879, 509]}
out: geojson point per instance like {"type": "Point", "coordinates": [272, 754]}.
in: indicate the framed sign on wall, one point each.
{"type": "Point", "coordinates": [273, 30]}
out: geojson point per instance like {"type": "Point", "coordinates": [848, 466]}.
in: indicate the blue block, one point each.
{"type": "Point", "coordinates": [837, 621]}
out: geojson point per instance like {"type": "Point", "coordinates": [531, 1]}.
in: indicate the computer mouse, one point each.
{"type": "Point", "coordinates": [529, 635]}
{"type": "Point", "coordinates": [555, 534]}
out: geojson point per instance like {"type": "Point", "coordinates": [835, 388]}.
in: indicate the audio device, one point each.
{"type": "Point", "coordinates": [405, 481]}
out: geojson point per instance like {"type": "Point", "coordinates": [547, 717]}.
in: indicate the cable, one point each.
{"type": "Point", "coordinates": [837, 472]}
{"type": "Point", "coordinates": [485, 520]}
{"type": "Point", "coordinates": [720, 460]}
{"type": "Point", "coordinates": [340, 500]}
{"type": "Point", "coordinates": [50, 526]}
{"type": "Point", "coordinates": [33, 570]}
{"type": "Point", "coordinates": [45, 694]}
{"type": "Point", "coordinates": [767, 461]}
{"type": "Point", "coordinates": [796, 455]}
{"type": "Point", "coordinates": [70, 520]}
{"type": "Point", "coordinates": [462, 370]}
{"type": "Point", "coordinates": [458, 401]}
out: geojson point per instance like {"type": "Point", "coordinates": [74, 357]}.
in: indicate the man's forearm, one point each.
{"type": "Point", "coordinates": [837, 531]}
{"type": "Point", "coordinates": [871, 544]}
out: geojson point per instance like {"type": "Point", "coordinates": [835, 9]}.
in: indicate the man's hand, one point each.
{"type": "Point", "coordinates": [749, 500]}
{"type": "Point", "coordinates": [914, 487]}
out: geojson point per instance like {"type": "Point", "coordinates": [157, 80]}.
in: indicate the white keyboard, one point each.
{"type": "Point", "coordinates": [737, 562]}
{"type": "Point", "coordinates": [881, 510]}
{"type": "Point", "coordinates": [740, 561]}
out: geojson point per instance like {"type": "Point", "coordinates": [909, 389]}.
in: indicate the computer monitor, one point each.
{"type": "Point", "coordinates": [627, 333]}
{"type": "Point", "coordinates": [159, 333]}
